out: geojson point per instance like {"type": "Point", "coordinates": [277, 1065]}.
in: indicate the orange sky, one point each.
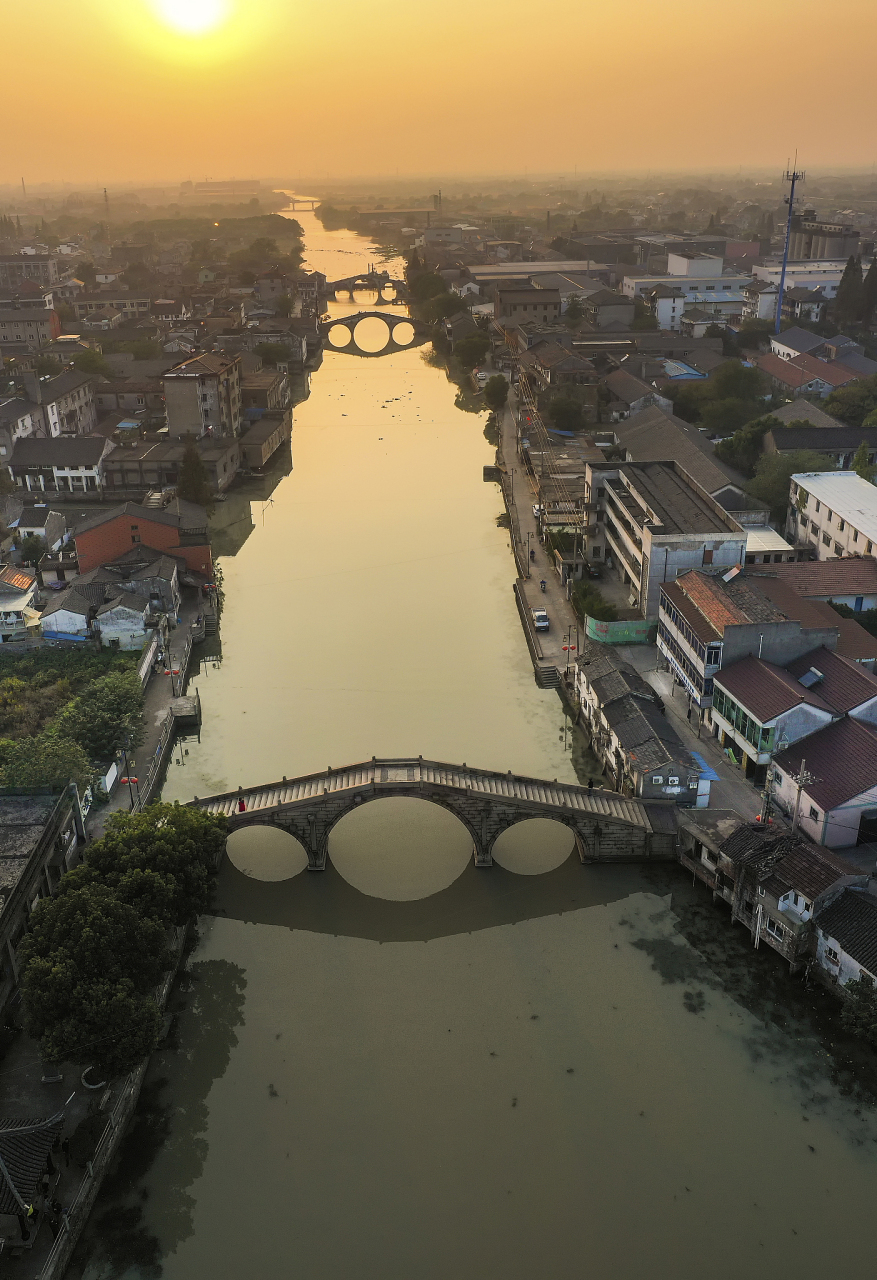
{"type": "Point", "coordinates": [105, 90]}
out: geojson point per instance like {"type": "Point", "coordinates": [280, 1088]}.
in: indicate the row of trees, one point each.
{"type": "Point", "coordinates": [729, 398]}
{"type": "Point", "coordinates": [95, 952]}
{"type": "Point", "coordinates": [856, 298]}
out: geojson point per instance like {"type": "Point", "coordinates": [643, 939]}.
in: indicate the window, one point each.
{"type": "Point", "coordinates": [831, 955]}
{"type": "Point", "coordinates": [761, 893]}
{"type": "Point", "coordinates": [826, 539]}
{"type": "Point", "coordinates": [775, 930]}
{"type": "Point", "coordinates": [657, 780]}
{"type": "Point", "coordinates": [707, 556]}
{"type": "Point", "coordinates": [712, 656]}
{"type": "Point", "coordinates": [814, 812]}
{"type": "Point", "coordinates": [842, 524]}
{"type": "Point", "coordinates": [817, 507]}
{"type": "Point", "coordinates": [838, 549]}
{"type": "Point", "coordinates": [868, 548]}
{"type": "Point", "coordinates": [814, 526]}
{"type": "Point", "coordinates": [855, 535]}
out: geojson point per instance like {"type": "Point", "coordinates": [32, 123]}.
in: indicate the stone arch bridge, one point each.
{"type": "Point", "coordinates": [422, 333]}
{"type": "Point", "coordinates": [379, 280]}
{"type": "Point", "coordinates": [607, 827]}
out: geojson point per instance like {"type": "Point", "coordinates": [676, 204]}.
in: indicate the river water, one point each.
{"type": "Point", "coordinates": [406, 1067]}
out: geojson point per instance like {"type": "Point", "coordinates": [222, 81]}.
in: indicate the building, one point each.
{"type": "Point", "coordinates": [41, 837]}
{"type": "Point", "coordinates": [707, 621]}
{"type": "Point", "coordinates": [815, 239]}
{"type": "Point", "coordinates": [759, 707]}
{"type": "Point", "coordinates": [802, 303]}
{"type": "Point", "coordinates": [838, 445]}
{"type": "Point", "coordinates": [149, 464]}
{"type": "Point", "coordinates": [832, 513]}
{"type": "Point", "coordinates": [630, 394]}
{"type": "Point", "coordinates": [28, 327]}
{"type": "Point", "coordinates": [639, 750]}
{"type": "Point", "coordinates": [804, 375]}
{"type": "Point", "coordinates": [133, 306]}
{"type": "Point", "coordinates": [524, 301]}
{"type": "Point", "coordinates": [67, 402]}
{"type": "Point", "coordinates": [765, 546]}
{"type": "Point", "coordinates": [830, 778]}
{"type": "Point", "coordinates": [16, 268]}
{"type": "Point", "coordinates": [774, 883]}
{"type": "Point", "coordinates": [203, 396]}
{"type": "Point", "coordinates": [179, 529]}
{"type": "Point", "coordinates": [262, 440]}
{"type": "Point", "coordinates": [19, 419]}
{"type": "Point", "coordinates": [651, 522]}
{"type": "Point", "coordinates": [17, 596]}
{"type": "Point", "coordinates": [760, 300]}
{"type": "Point", "coordinates": [851, 581]}
{"type": "Point", "coordinates": [846, 934]}
{"type": "Point", "coordinates": [68, 464]}
{"type": "Point", "coordinates": [652, 434]}
{"type": "Point", "coordinates": [605, 307]}
{"type": "Point", "coordinates": [826, 274]}
{"type": "Point", "coordinates": [265, 388]}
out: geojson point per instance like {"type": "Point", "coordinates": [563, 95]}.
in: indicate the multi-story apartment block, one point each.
{"type": "Point", "coordinates": [650, 521]}
{"type": "Point", "coordinates": [28, 327]}
{"type": "Point", "coordinates": [833, 513]}
{"type": "Point", "coordinates": [15, 268]}
{"type": "Point", "coordinates": [203, 396]}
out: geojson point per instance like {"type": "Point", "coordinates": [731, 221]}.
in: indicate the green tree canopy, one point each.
{"type": "Point", "coordinates": [106, 716]}
{"type": "Point", "coordinates": [869, 294]}
{"type": "Point", "coordinates": [193, 482]}
{"type": "Point", "coordinates": [773, 473]}
{"type": "Point", "coordinates": [566, 413]}
{"type": "Point", "coordinates": [32, 548]}
{"type": "Point", "coordinates": [850, 296]}
{"type": "Point", "coordinates": [272, 352]}
{"type": "Point", "coordinates": [92, 362]}
{"type": "Point", "coordinates": [862, 463]}
{"type": "Point", "coordinates": [855, 402]}
{"type": "Point", "coordinates": [43, 761]}
{"type": "Point", "coordinates": [744, 447]}
{"type": "Point", "coordinates": [496, 391]}
{"type": "Point", "coordinates": [471, 350]}
{"type": "Point", "coordinates": [574, 311]}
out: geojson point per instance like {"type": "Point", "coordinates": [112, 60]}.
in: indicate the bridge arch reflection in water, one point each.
{"type": "Point", "coordinates": [373, 333]}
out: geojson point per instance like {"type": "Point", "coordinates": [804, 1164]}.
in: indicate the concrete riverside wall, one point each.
{"type": "Point", "coordinates": [637, 631]}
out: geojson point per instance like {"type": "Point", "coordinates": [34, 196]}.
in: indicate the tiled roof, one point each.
{"type": "Point", "coordinates": [851, 920]}
{"type": "Point", "coordinates": [804, 411]}
{"type": "Point", "coordinates": [24, 1150]}
{"type": "Point", "coordinates": [825, 578]}
{"type": "Point", "coordinates": [703, 629]}
{"type": "Point", "coordinates": [764, 689]}
{"type": "Point", "coordinates": [845, 685]}
{"type": "Point", "coordinates": [783, 370]}
{"type": "Point", "coordinates": [654, 435]}
{"type": "Point", "coordinates": [20, 579]}
{"type": "Point", "coordinates": [808, 869]}
{"type": "Point", "coordinates": [842, 758]}
{"type": "Point", "coordinates": [628, 388]}
{"type": "Point", "coordinates": [58, 451]}
{"type": "Point", "coordinates": [800, 339]}
{"type": "Point", "coordinates": [711, 601]}
{"type": "Point", "coordinates": [835, 374]}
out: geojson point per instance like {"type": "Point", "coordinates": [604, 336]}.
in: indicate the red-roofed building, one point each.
{"type": "Point", "coordinates": [179, 529]}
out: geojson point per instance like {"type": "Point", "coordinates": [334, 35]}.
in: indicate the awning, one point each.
{"type": "Point", "coordinates": [706, 770]}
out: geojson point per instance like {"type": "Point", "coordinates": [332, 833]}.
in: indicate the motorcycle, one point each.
{"type": "Point", "coordinates": [542, 584]}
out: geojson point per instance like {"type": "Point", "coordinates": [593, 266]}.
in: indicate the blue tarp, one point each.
{"type": "Point", "coordinates": [706, 770]}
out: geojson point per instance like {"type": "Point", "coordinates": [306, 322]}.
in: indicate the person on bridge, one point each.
{"type": "Point", "coordinates": [242, 805]}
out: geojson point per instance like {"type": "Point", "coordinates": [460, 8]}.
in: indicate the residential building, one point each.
{"type": "Point", "coordinates": [851, 581]}
{"type": "Point", "coordinates": [19, 419]}
{"type": "Point", "coordinates": [179, 529]}
{"type": "Point", "coordinates": [18, 589]}
{"type": "Point", "coordinates": [652, 521]}
{"type": "Point", "coordinates": [802, 303]}
{"type": "Point", "coordinates": [149, 464]}
{"type": "Point", "coordinates": [846, 935]}
{"type": "Point", "coordinates": [832, 513]}
{"type": "Point", "coordinates": [826, 274]}
{"type": "Point", "coordinates": [760, 300]}
{"type": "Point", "coordinates": [273, 284]}
{"type": "Point", "coordinates": [103, 320]}
{"type": "Point", "coordinates": [41, 837]}
{"type": "Point", "coordinates": [139, 397]}
{"type": "Point", "coordinates": [838, 445]}
{"type": "Point", "coordinates": [265, 388]}
{"type": "Point", "coordinates": [203, 396]}
{"type": "Point", "coordinates": [551, 365]}
{"type": "Point", "coordinates": [261, 441]}
{"type": "Point", "coordinates": [639, 750]}
{"type": "Point", "coordinates": [132, 305]}
{"type": "Point", "coordinates": [30, 327]}
{"type": "Point", "coordinates": [803, 375]}
{"type": "Point", "coordinates": [67, 402]}
{"type": "Point", "coordinates": [765, 546]}
{"type": "Point", "coordinates": [796, 342]}
{"type": "Point", "coordinates": [758, 706]}
{"type": "Point", "coordinates": [830, 778]}
{"type": "Point", "coordinates": [707, 621]}
{"type": "Point", "coordinates": [630, 394]}
{"type": "Point", "coordinates": [773, 882]}
{"type": "Point", "coordinates": [16, 268]}
{"type": "Point", "coordinates": [653, 434]}
{"type": "Point", "coordinates": [526, 302]}
{"type": "Point", "coordinates": [606, 307]}
{"type": "Point", "coordinates": [71, 464]}
{"type": "Point", "coordinates": [38, 520]}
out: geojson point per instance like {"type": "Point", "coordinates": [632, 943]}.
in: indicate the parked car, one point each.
{"type": "Point", "coordinates": [537, 510]}
{"type": "Point", "coordinates": [540, 620]}
{"type": "Point", "coordinates": [593, 570]}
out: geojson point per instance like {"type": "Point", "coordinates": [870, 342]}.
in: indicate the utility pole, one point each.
{"type": "Point", "coordinates": [802, 780]}
{"type": "Point", "coordinates": [23, 189]}
{"type": "Point", "coordinates": [793, 177]}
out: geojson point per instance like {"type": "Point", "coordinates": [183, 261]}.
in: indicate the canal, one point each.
{"type": "Point", "coordinates": [405, 1067]}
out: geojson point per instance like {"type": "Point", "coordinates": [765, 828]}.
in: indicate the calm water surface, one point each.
{"type": "Point", "coordinates": [408, 1068]}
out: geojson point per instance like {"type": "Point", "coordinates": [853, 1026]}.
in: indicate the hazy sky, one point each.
{"type": "Point", "coordinates": [107, 90]}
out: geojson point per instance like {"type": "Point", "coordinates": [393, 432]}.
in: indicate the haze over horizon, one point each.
{"type": "Point", "coordinates": [195, 89]}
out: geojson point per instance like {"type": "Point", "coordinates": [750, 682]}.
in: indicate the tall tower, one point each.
{"type": "Point", "coordinates": [793, 177]}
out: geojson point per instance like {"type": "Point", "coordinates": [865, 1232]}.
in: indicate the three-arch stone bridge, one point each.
{"type": "Point", "coordinates": [422, 333]}
{"type": "Point", "coordinates": [379, 280]}
{"type": "Point", "coordinates": [608, 827]}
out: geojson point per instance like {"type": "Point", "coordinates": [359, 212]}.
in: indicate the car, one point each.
{"type": "Point", "coordinates": [540, 620]}
{"type": "Point", "coordinates": [537, 510]}
{"type": "Point", "coordinates": [592, 570]}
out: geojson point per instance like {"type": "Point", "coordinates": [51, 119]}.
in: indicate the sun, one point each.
{"type": "Point", "coordinates": [193, 17]}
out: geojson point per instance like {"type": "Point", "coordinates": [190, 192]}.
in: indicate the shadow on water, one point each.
{"type": "Point", "coordinates": [800, 1032]}
{"type": "Point", "coordinates": [171, 1116]}
{"type": "Point", "coordinates": [480, 898]}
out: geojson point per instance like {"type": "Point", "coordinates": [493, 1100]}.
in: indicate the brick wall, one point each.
{"type": "Point", "coordinates": [115, 537]}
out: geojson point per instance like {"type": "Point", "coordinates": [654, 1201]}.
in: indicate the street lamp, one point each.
{"type": "Point", "coordinates": [529, 536]}
{"type": "Point", "coordinates": [569, 647]}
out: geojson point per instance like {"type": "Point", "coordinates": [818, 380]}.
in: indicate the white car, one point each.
{"type": "Point", "coordinates": [537, 510]}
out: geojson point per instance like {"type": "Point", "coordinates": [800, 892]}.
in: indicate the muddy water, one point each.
{"type": "Point", "coordinates": [407, 1067]}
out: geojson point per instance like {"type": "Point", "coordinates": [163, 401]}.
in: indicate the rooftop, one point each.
{"type": "Point", "coordinates": [58, 451]}
{"type": "Point", "coordinates": [824, 579]}
{"type": "Point", "coordinates": [846, 494]}
{"type": "Point", "coordinates": [842, 758]}
{"type": "Point", "coordinates": [654, 434]}
{"type": "Point", "coordinates": [678, 506]}
{"type": "Point", "coordinates": [766, 690]}
{"type": "Point", "coordinates": [851, 920]}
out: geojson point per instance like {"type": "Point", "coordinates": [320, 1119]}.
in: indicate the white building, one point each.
{"type": "Point", "coordinates": [846, 928]}
{"type": "Point", "coordinates": [807, 275]}
{"type": "Point", "coordinates": [834, 512]}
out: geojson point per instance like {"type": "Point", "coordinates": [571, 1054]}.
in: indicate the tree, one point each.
{"type": "Point", "coordinates": [193, 482]}
{"type": "Point", "coordinates": [849, 299]}
{"type": "Point", "coordinates": [46, 366]}
{"type": "Point", "coordinates": [862, 463]}
{"type": "Point", "coordinates": [283, 305]}
{"type": "Point", "coordinates": [272, 352]}
{"type": "Point", "coordinates": [263, 247]}
{"type": "Point", "coordinates": [442, 306]}
{"type": "Point", "coordinates": [869, 294]}
{"type": "Point", "coordinates": [773, 473]}
{"type": "Point", "coordinates": [566, 413]}
{"type": "Point", "coordinates": [44, 761]}
{"type": "Point", "coordinates": [854, 403]}
{"type": "Point", "coordinates": [471, 350]}
{"type": "Point", "coordinates": [744, 447]}
{"type": "Point", "coordinates": [574, 311]}
{"type": "Point", "coordinates": [32, 549]}
{"type": "Point", "coordinates": [87, 273]}
{"type": "Point", "coordinates": [428, 285]}
{"type": "Point", "coordinates": [106, 716]}
{"type": "Point", "coordinates": [92, 362]}
{"type": "Point", "coordinates": [496, 392]}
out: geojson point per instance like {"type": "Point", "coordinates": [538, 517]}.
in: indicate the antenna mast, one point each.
{"type": "Point", "coordinates": [793, 177]}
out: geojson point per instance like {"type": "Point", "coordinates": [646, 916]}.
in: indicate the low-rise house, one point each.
{"type": "Point", "coordinates": [132, 305]}
{"type": "Point", "coordinates": [839, 445]}
{"type": "Point", "coordinates": [19, 419]}
{"type": "Point", "coordinates": [630, 394]}
{"type": "Point", "coordinates": [266, 388]}
{"type": "Point", "coordinates": [654, 434]}
{"type": "Point", "coordinates": [124, 622]}
{"type": "Point", "coordinates": [551, 365]}
{"type": "Point", "coordinates": [18, 589]}
{"type": "Point", "coordinates": [605, 307]}
{"type": "Point", "coordinates": [41, 837]}
{"type": "Point", "coordinates": [801, 303]}
{"type": "Point", "coordinates": [69, 464]}
{"type": "Point", "coordinates": [38, 520]}
{"type": "Point", "coordinates": [846, 935]}
{"type": "Point", "coordinates": [178, 529]}
{"type": "Point", "coordinates": [130, 395]}
{"type": "Point", "coordinates": [149, 464]}
{"type": "Point", "coordinates": [796, 342]}
{"type": "Point", "coordinates": [851, 581]}
{"type": "Point", "coordinates": [830, 777]}
{"type": "Point", "coordinates": [262, 440]}
{"type": "Point", "coordinates": [103, 320]}
{"type": "Point", "coordinates": [792, 379]}
{"type": "Point", "coordinates": [760, 300]}
{"type": "Point", "coordinates": [521, 301]}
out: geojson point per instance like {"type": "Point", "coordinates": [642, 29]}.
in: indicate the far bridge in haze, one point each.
{"type": "Point", "coordinates": [607, 827]}
{"type": "Point", "coordinates": [378, 280]}
{"type": "Point", "coordinates": [422, 333]}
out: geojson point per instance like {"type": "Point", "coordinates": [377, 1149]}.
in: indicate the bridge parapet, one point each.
{"type": "Point", "coordinates": [607, 826]}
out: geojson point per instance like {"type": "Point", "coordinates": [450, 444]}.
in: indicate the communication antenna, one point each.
{"type": "Point", "coordinates": [793, 177]}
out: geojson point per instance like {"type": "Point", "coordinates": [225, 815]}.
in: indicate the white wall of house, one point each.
{"type": "Point", "coordinates": [834, 960]}
{"type": "Point", "coordinates": [125, 626]}
{"type": "Point", "coordinates": [63, 620]}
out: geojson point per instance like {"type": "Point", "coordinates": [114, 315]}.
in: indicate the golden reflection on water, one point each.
{"type": "Point", "coordinates": [266, 853]}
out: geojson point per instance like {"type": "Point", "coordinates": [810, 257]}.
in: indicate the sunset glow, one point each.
{"type": "Point", "coordinates": [193, 17]}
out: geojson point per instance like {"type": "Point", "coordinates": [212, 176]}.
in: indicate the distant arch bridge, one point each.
{"type": "Point", "coordinates": [607, 827]}
{"type": "Point", "coordinates": [378, 280]}
{"type": "Point", "coordinates": [422, 333]}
